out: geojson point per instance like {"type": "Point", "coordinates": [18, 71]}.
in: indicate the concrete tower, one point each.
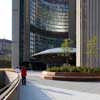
{"type": "Point", "coordinates": [87, 27]}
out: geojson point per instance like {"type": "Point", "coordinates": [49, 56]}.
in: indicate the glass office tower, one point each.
{"type": "Point", "coordinates": [43, 24]}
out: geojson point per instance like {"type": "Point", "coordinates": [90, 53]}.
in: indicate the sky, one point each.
{"type": "Point", "coordinates": [6, 19]}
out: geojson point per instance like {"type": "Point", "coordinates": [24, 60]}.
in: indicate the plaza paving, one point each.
{"type": "Point", "coordinates": [39, 89]}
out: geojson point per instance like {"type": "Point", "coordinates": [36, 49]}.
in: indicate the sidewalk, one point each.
{"type": "Point", "coordinates": [37, 91]}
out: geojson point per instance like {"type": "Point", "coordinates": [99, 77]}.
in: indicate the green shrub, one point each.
{"type": "Point", "coordinates": [73, 69]}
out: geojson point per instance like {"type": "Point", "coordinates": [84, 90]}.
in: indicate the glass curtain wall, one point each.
{"type": "Point", "coordinates": [48, 16]}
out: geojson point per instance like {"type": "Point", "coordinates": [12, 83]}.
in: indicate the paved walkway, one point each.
{"type": "Point", "coordinates": [38, 89]}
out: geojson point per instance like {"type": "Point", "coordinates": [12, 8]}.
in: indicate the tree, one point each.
{"type": "Point", "coordinates": [66, 46]}
{"type": "Point", "coordinates": [92, 48]}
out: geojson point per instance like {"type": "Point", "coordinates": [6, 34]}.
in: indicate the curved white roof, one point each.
{"type": "Point", "coordinates": [56, 50]}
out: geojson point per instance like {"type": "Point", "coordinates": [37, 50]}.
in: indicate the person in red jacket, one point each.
{"type": "Point", "coordinates": [23, 74]}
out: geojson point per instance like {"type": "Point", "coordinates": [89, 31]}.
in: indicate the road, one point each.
{"type": "Point", "coordinates": [39, 89]}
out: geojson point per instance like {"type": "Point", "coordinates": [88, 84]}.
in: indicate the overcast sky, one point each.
{"type": "Point", "coordinates": [6, 19]}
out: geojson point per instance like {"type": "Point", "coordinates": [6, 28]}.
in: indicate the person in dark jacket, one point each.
{"type": "Point", "coordinates": [23, 74]}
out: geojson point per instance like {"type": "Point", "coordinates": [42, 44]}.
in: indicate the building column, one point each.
{"type": "Point", "coordinates": [15, 32]}
{"type": "Point", "coordinates": [78, 32]}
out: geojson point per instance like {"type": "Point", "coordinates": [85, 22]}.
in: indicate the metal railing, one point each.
{"type": "Point", "coordinates": [9, 89]}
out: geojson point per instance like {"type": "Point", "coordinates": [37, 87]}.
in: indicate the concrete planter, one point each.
{"type": "Point", "coordinates": [71, 76]}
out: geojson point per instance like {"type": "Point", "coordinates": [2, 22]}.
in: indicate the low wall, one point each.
{"type": "Point", "coordinates": [12, 80]}
{"type": "Point", "coordinates": [3, 79]}
{"type": "Point", "coordinates": [71, 76]}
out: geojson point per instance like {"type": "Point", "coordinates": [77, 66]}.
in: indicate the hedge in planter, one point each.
{"type": "Point", "coordinates": [74, 69]}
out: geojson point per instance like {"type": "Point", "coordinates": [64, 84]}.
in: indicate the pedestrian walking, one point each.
{"type": "Point", "coordinates": [23, 74]}
{"type": "Point", "coordinates": [17, 69]}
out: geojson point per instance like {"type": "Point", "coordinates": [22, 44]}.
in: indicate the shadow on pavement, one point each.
{"type": "Point", "coordinates": [32, 92]}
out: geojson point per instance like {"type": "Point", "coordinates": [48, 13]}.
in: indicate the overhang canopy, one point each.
{"type": "Point", "coordinates": [56, 51]}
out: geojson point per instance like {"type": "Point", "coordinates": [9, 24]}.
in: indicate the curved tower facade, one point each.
{"type": "Point", "coordinates": [50, 22]}
{"type": "Point", "coordinates": [50, 15]}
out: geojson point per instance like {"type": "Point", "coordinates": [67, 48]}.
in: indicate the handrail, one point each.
{"type": "Point", "coordinates": [8, 85]}
{"type": "Point", "coordinates": [4, 88]}
{"type": "Point", "coordinates": [6, 91]}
